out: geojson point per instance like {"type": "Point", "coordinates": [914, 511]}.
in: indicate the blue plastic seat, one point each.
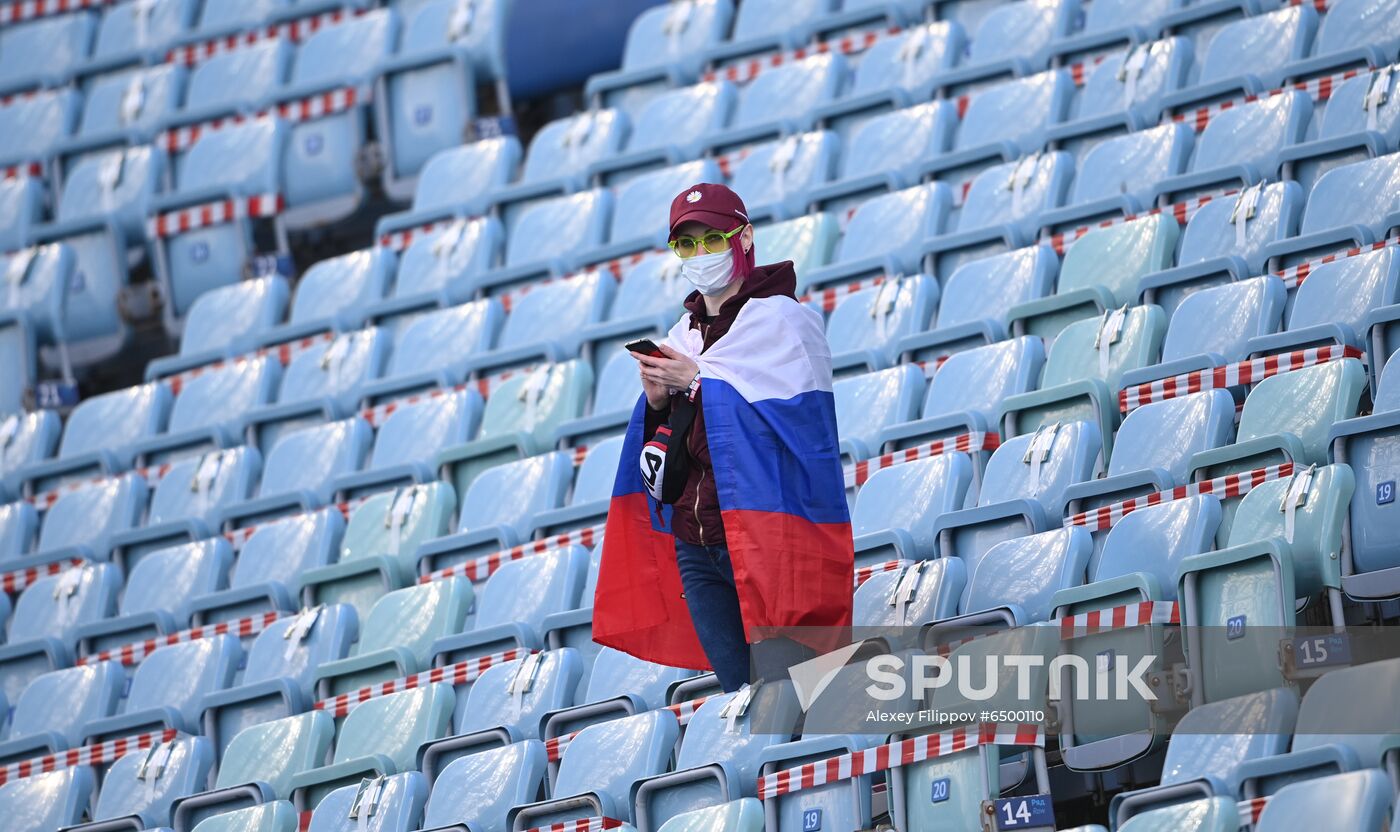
{"type": "Point", "coordinates": [1118, 21]}
{"type": "Point", "coordinates": [53, 712]}
{"type": "Point", "coordinates": [1357, 122]}
{"type": "Point", "coordinates": [618, 685]}
{"type": "Point", "coordinates": [42, 631]}
{"type": "Point", "coordinates": [1022, 490]}
{"type": "Point", "coordinates": [1350, 205]}
{"type": "Point", "coordinates": [1209, 744]}
{"type": "Point", "coordinates": [596, 775]}
{"type": "Point", "coordinates": [883, 236]}
{"type": "Point", "coordinates": [441, 266]}
{"type": "Point", "coordinates": [397, 635]}
{"type": "Point", "coordinates": [45, 51]}
{"type": "Point", "coordinates": [1119, 176]}
{"type": "Point", "coordinates": [1004, 205]}
{"type": "Point", "coordinates": [639, 201]}
{"type": "Point", "coordinates": [215, 19]}
{"type": "Point", "coordinates": [1243, 146]}
{"type": "Point", "coordinates": [210, 408]}
{"type": "Point", "coordinates": [780, 101]}
{"type": "Point", "coordinates": [1352, 33]}
{"type": "Point", "coordinates": [168, 688]}
{"type": "Point", "coordinates": [82, 524]}
{"type": "Point", "coordinates": [866, 328]}
{"type": "Point", "coordinates": [1003, 123]}
{"type": "Point", "coordinates": [432, 350]}
{"type": "Point", "coordinates": [278, 679]}
{"type": "Point", "coordinates": [915, 593]}
{"type": "Point", "coordinates": [1124, 90]}
{"type": "Point", "coordinates": [1233, 598]}
{"type": "Point", "coordinates": [560, 155]}
{"type": "Point", "coordinates": [882, 151]}
{"type": "Point", "coordinates": [897, 71]}
{"type": "Point", "coordinates": [673, 127]}
{"type": "Point", "coordinates": [458, 182]}
{"type": "Point", "coordinates": [267, 573]}
{"type": "Point", "coordinates": [381, 536]}
{"type": "Point", "coordinates": [124, 107]}
{"type": "Point", "coordinates": [257, 768]}
{"type": "Point", "coordinates": [397, 802]}
{"type": "Point", "coordinates": [867, 404]}
{"type": "Point", "coordinates": [1213, 248]}
{"type": "Point", "coordinates": [235, 81]}
{"type": "Point", "coordinates": [54, 799]}
{"type": "Point", "coordinates": [243, 160]}
{"type": "Point", "coordinates": [498, 506]}
{"type": "Point", "coordinates": [664, 48]}
{"type": "Point", "coordinates": [574, 628]}
{"type": "Point", "coordinates": [335, 294]}
{"type": "Point", "coordinates": [775, 178]}
{"type": "Point", "coordinates": [769, 26]}
{"type": "Point", "coordinates": [159, 590]}
{"type": "Point", "coordinates": [1014, 581]}
{"type": "Point", "coordinates": [21, 207]}
{"type": "Point", "coordinates": [31, 125]}
{"type": "Point", "coordinates": [140, 787]}
{"type": "Point", "coordinates": [1250, 55]}
{"type": "Point", "coordinates": [896, 510]}
{"type": "Point", "coordinates": [471, 791]}
{"type": "Point", "coordinates": [966, 394]}
{"type": "Point", "coordinates": [1333, 304]}
{"type": "Point", "coordinates": [1014, 39]}
{"type": "Point", "coordinates": [1207, 814]}
{"type": "Point", "coordinates": [138, 33]}
{"type": "Point", "coordinates": [972, 309]}
{"type": "Point", "coordinates": [226, 322]}
{"type": "Point", "coordinates": [322, 382]}
{"type": "Point", "coordinates": [426, 92]}
{"type": "Point", "coordinates": [18, 355]}
{"type": "Point", "coordinates": [591, 495]}
{"type": "Point", "coordinates": [1100, 271]}
{"type": "Point", "coordinates": [18, 522]}
{"type": "Point", "coordinates": [1361, 799]}
{"type": "Point", "coordinates": [646, 303]}
{"type": "Point", "coordinates": [379, 737]}
{"type": "Point", "coordinates": [185, 501]}
{"type": "Point", "coordinates": [1369, 444]}
{"type": "Point", "coordinates": [807, 240]}
{"type": "Point", "coordinates": [300, 471]}
{"type": "Point", "coordinates": [406, 443]}
{"type": "Point", "coordinates": [39, 285]}
{"type": "Point", "coordinates": [547, 323]}
{"type": "Point", "coordinates": [321, 184]}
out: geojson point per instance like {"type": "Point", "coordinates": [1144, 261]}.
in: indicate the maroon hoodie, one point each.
{"type": "Point", "coordinates": [696, 517]}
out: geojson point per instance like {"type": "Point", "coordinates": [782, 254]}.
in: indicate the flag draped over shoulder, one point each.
{"type": "Point", "coordinates": [770, 422]}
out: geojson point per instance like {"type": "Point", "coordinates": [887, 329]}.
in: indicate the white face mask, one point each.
{"type": "Point", "coordinates": [709, 273]}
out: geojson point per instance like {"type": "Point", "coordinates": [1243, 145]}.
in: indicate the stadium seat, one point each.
{"type": "Point", "coordinates": [775, 178]}
{"type": "Point", "coordinates": [591, 494]}
{"type": "Point", "coordinates": [168, 688]}
{"type": "Point", "coordinates": [498, 506]}
{"type": "Point", "coordinates": [534, 247]}
{"type": "Point", "coordinates": [98, 437]}
{"type": "Point", "coordinates": [1084, 371]}
{"type": "Point", "coordinates": [455, 183]}
{"type": "Point", "coordinates": [972, 309]}
{"type": "Point", "coordinates": [300, 471]}
{"type": "Point", "coordinates": [267, 573]}
{"type": "Point", "coordinates": [159, 590]}
{"type": "Point", "coordinates": [1013, 39]}
{"type": "Point", "coordinates": [545, 325]}
{"type": "Point", "coordinates": [1118, 177]}
{"type": "Point", "coordinates": [1250, 55]}
{"type": "Point", "coordinates": [28, 438]}
{"type": "Point", "coordinates": [397, 635]}
{"type": "Point", "coordinates": [81, 524]}
{"type": "Point", "coordinates": [639, 201]}
{"type": "Point", "coordinates": [334, 294]}
{"type": "Point", "coordinates": [1100, 272]}
{"type": "Point", "coordinates": [277, 679]}
{"type": "Point", "coordinates": [32, 124]}
{"type": "Point", "coordinates": [645, 304]}
{"type": "Point", "coordinates": [53, 712]}
{"type": "Point", "coordinates": [673, 127]}
{"type": "Point", "coordinates": [381, 536]}
{"type": "Point", "coordinates": [915, 593]}
{"type": "Point", "coordinates": [406, 442]}
{"type": "Point", "coordinates": [44, 52]}
{"type": "Point", "coordinates": [1242, 146]}
{"type": "Point", "coordinates": [47, 801]}
{"type": "Point", "coordinates": [1232, 599]}
{"type": "Point", "coordinates": [594, 779]}
{"type": "Point", "coordinates": [1361, 32]}
{"type": "Point", "coordinates": [560, 156]}
{"type": "Point", "coordinates": [258, 767]}
{"type": "Point", "coordinates": [21, 208]}
{"type": "Point", "coordinates": [430, 351]}
{"type": "Point", "coordinates": [1360, 799]}
{"type": "Point", "coordinates": [1368, 445]}
{"type": "Point", "coordinates": [895, 72]}
{"type": "Point", "coordinates": [123, 108]}
{"type": "Point", "coordinates": [1022, 489]}
{"type": "Point", "coordinates": [805, 240]}
{"type": "Point", "coordinates": [1001, 591]}
{"type": "Point", "coordinates": [439, 267]}
{"type": "Point", "coordinates": [1348, 206]}
{"type": "Point", "coordinates": [664, 48]}
{"type": "Point", "coordinates": [1331, 307]}
{"type": "Point", "coordinates": [226, 322]}
{"type": "Point", "coordinates": [1210, 814]}
{"type": "Point", "coordinates": [321, 182]}
{"type": "Point", "coordinates": [18, 522]}
{"type": "Point", "coordinates": [379, 737]}
{"type": "Point", "coordinates": [897, 508]}
{"type": "Point", "coordinates": [883, 235]}
{"type": "Point", "coordinates": [619, 685]}
{"type": "Point", "coordinates": [1124, 90]}
{"type": "Point", "coordinates": [139, 788]}
{"type": "Point", "coordinates": [138, 33]}
{"type": "Point", "coordinates": [277, 816]}
{"type": "Point", "coordinates": [42, 630]}
{"type": "Point", "coordinates": [867, 404]}
{"type": "Point", "coordinates": [207, 414]}
{"type": "Point", "coordinates": [232, 82]}
{"type": "Point", "coordinates": [1115, 22]}
{"type": "Point", "coordinates": [768, 26]}
{"type": "Point", "coordinates": [779, 101]}
{"type": "Point", "coordinates": [471, 791]}
{"type": "Point", "coordinates": [390, 802]}
{"type": "Point", "coordinates": [866, 328]}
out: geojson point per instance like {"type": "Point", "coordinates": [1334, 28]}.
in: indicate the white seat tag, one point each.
{"type": "Point", "coordinates": [1039, 451]}
{"type": "Point", "coordinates": [460, 24]}
{"type": "Point", "coordinates": [133, 100]}
{"type": "Point", "coordinates": [1246, 206]}
{"type": "Point", "coordinates": [299, 630]}
{"type": "Point", "coordinates": [905, 589]}
{"type": "Point", "coordinates": [366, 801]}
{"type": "Point", "coordinates": [8, 429]}
{"type": "Point", "coordinates": [397, 516]}
{"type": "Point", "coordinates": [1377, 94]}
{"type": "Point", "coordinates": [1295, 496]}
{"type": "Point", "coordinates": [1110, 332]}
{"type": "Point", "coordinates": [880, 310]}
{"type": "Point", "coordinates": [1021, 177]}
{"type": "Point", "coordinates": [736, 707]}
{"type": "Point", "coordinates": [523, 681]}
{"type": "Point", "coordinates": [531, 392]}
{"type": "Point", "coordinates": [1131, 70]}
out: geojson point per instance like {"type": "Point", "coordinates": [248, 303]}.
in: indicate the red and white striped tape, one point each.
{"type": "Point", "coordinates": [830, 298]}
{"type": "Point", "coordinates": [1250, 810]}
{"type": "Point", "coordinates": [293, 30]}
{"type": "Point", "coordinates": [399, 240]}
{"type": "Point", "coordinates": [214, 213]}
{"type": "Point", "coordinates": [1226, 487]}
{"type": "Point", "coordinates": [452, 674]}
{"type": "Point", "coordinates": [312, 107]}
{"type": "Point", "coordinates": [1293, 276]}
{"type": "Point", "coordinates": [896, 754]}
{"type": "Point", "coordinates": [858, 474]}
{"type": "Point", "coordinates": [593, 824]}
{"type": "Point", "coordinates": [746, 71]}
{"type": "Point", "coordinates": [45, 501]}
{"type": "Point", "coordinates": [25, 10]}
{"type": "Point", "coordinates": [865, 573]}
{"type": "Point", "coordinates": [88, 755]}
{"type": "Point", "coordinates": [554, 746]}
{"type": "Point", "coordinates": [485, 386]}
{"type": "Point", "coordinates": [30, 170]}
{"type": "Point", "coordinates": [1119, 618]}
{"type": "Point", "coordinates": [1318, 89]}
{"type": "Point", "coordinates": [481, 568]}
{"type": "Point", "coordinates": [284, 353]}
{"type": "Point", "coordinates": [20, 579]}
{"type": "Point", "coordinates": [137, 651]}
{"type": "Point", "coordinates": [1231, 375]}
{"type": "Point", "coordinates": [1181, 211]}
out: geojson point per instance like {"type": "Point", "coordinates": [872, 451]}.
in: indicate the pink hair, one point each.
{"type": "Point", "coordinates": [743, 261]}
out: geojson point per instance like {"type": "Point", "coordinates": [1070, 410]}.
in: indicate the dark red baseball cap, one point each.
{"type": "Point", "coordinates": [714, 205]}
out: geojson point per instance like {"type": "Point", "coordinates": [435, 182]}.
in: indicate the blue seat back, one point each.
{"type": "Point", "coordinates": [1017, 111]}
{"type": "Point", "coordinates": [29, 126]}
{"type": "Point", "coordinates": [1210, 234]}
{"type": "Point", "coordinates": [229, 316]}
{"type": "Point", "coordinates": [937, 586]}
{"type": "Point", "coordinates": [868, 403]}
{"type": "Point", "coordinates": [1102, 15]}
{"type": "Point", "coordinates": [89, 189]}
{"type": "Point", "coordinates": [62, 702]}
{"type": "Point", "coordinates": [138, 26]}
{"type": "Point", "coordinates": [218, 16]}
{"type": "Point", "coordinates": [169, 579]}
{"type": "Point", "coordinates": [1360, 194]}
{"type": "Point", "coordinates": [480, 30]}
{"type": "Point", "coordinates": [398, 805]}
{"type": "Point", "coordinates": [1220, 321]}
{"type": "Point", "coordinates": [47, 801]}
{"type": "Point", "coordinates": [893, 223]}
{"type": "Point", "coordinates": [445, 336]}
{"type": "Point", "coordinates": [1359, 799]}
{"type": "Point", "coordinates": [240, 78]}
{"type": "Point", "coordinates": [309, 458]}
{"type": "Point", "coordinates": [1153, 541]}
{"type": "Point", "coordinates": [1213, 738]}
{"type": "Point", "coordinates": [1017, 192]}
{"type": "Point", "coordinates": [225, 394]}
{"type": "Point", "coordinates": [1077, 354]}
{"type": "Point", "coordinates": [807, 241]}
{"type": "Point", "coordinates": [910, 61]}
{"type": "Point", "coordinates": [413, 617]}
{"type": "Point", "coordinates": [278, 552]}
{"type": "Point", "coordinates": [892, 139]}
{"type": "Point", "coordinates": [651, 287]}
{"type": "Point", "coordinates": [596, 474]}
{"type": "Point", "coordinates": [984, 288]}
{"type": "Point", "coordinates": [1073, 456]}
{"type": "Point", "coordinates": [619, 386]}
{"type": "Point", "coordinates": [664, 34]}
{"type": "Point", "coordinates": [347, 52]}
{"type": "Point", "coordinates": [1162, 68]}
{"type": "Point", "coordinates": [1132, 164]}
{"type": "Point", "coordinates": [773, 17]}
{"type": "Point", "coordinates": [1346, 290]}
{"type": "Point", "coordinates": [1265, 43]}
{"type": "Point", "coordinates": [342, 285]}
{"type": "Point", "coordinates": [1339, 710]}
{"type": "Point", "coordinates": [617, 674]}
{"type": "Point", "coordinates": [335, 368]}
{"type": "Point", "coordinates": [641, 199]}
{"type": "Point", "coordinates": [243, 158]}
{"type": "Point", "coordinates": [1164, 435]}
{"type": "Point", "coordinates": [424, 513]}
{"type": "Point", "coordinates": [53, 606]}
{"type": "Point", "coordinates": [911, 496]}
{"type": "Point", "coordinates": [33, 437]}
{"type": "Point", "coordinates": [682, 116]}
{"type": "Point", "coordinates": [772, 175]}
{"type": "Point", "coordinates": [135, 100]}
{"type": "Point", "coordinates": [479, 789]}
{"type": "Point", "coordinates": [1304, 403]}
{"type": "Point", "coordinates": [525, 591]}
{"type": "Point", "coordinates": [416, 431]}
{"type": "Point", "coordinates": [566, 147]}
{"type": "Point", "coordinates": [274, 655]}
{"type": "Point", "coordinates": [115, 419]}
{"type": "Point", "coordinates": [591, 763]}
{"type": "Point", "coordinates": [172, 770]}
{"type": "Point", "coordinates": [1117, 257]}
{"type": "Point", "coordinates": [879, 316]}
{"type": "Point", "coordinates": [1254, 135]}
{"type": "Point", "coordinates": [976, 380]}
{"type": "Point", "coordinates": [181, 675]}
{"type": "Point", "coordinates": [394, 726]}
{"type": "Point", "coordinates": [46, 47]}
{"type": "Point", "coordinates": [464, 176]}
{"type": "Point", "coordinates": [89, 517]}
{"type": "Point", "coordinates": [790, 91]}
{"type": "Point", "coordinates": [511, 494]}
{"type": "Point", "coordinates": [1347, 112]}
{"type": "Point", "coordinates": [558, 310]}
{"type": "Point", "coordinates": [547, 683]}
{"type": "Point", "coordinates": [1025, 573]}
{"type": "Point", "coordinates": [18, 521]}
{"type": "Point", "coordinates": [273, 752]}
{"type": "Point", "coordinates": [21, 206]}
{"type": "Point", "coordinates": [1207, 814]}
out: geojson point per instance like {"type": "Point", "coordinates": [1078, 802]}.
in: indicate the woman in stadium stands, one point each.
{"type": "Point", "coordinates": [729, 517]}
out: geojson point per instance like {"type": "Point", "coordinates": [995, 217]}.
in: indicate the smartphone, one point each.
{"type": "Point", "coordinates": [645, 346]}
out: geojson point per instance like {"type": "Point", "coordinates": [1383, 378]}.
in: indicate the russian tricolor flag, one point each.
{"type": "Point", "coordinates": [770, 421]}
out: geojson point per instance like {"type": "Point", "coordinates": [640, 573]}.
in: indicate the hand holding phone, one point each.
{"type": "Point", "coordinates": [645, 346]}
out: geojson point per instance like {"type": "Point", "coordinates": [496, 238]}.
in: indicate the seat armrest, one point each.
{"type": "Point", "coordinates": [898, 539]}
{"type": "Point", "coordinates": [399, 658]}
{"type": "Point", "coordinates": [483, 540]}
{"type": "Point", "coordinates": [1116, 488]}
{"type": "Point", "coordinates": [1318, 334]}
{"type": "Point", "coordinates": [381, 479]}
{"type": "Point", "coordinates": [1332, 758]}
{"type": "Point", "coordinates": [1031, 511]}
{"type": "Point", "coordinates": [482, 642]}
{"type": "Point", "coordinates": [186, 812]}
{"type": "Point", "coordinates": [274, 596]}
{"type": "Point", "coordinates": [274, 504]}
{"type": "Point", "coordinates": [1143, 583]}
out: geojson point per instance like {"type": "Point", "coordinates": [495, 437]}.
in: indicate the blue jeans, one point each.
{"type": "Point", "coordinates": [708, 579]}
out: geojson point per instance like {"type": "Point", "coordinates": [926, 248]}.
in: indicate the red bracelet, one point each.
{"type": "Point", "coordinates": [694, 387]}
